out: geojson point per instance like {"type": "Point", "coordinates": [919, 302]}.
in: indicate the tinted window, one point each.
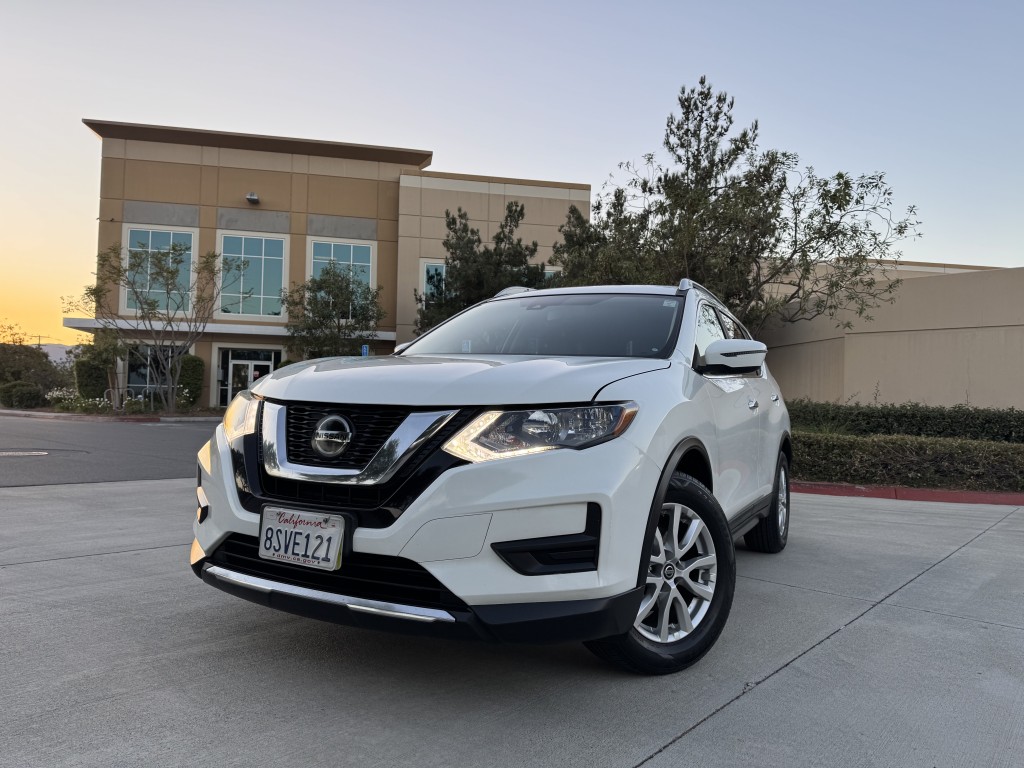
{"type": "Point", "coordinates": [599, 325]}
{"type": "Point", "coordinates": [733, 330]}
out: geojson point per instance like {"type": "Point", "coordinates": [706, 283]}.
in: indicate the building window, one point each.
{"type": "Point", "coordinates": [550, 272]}
{"type": "Point", "coordinates": [433, 279]}
{"type": "Point", "coordinates": [355, 258]}
{"type": "Point", "coordinates": [149, 251]}
{"type": "Point", "coordinates": [252, 279]}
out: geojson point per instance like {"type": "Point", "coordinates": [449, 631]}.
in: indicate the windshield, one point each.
{"type": "Point", "coordinates": [591, 325]}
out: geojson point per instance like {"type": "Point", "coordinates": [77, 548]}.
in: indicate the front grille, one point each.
{"type": "Point", "coordinates": [371, 427]}
{"type": "Point", "coordinates": [421, 469]}
{"type": "Point", "coordinates": [372, 577]}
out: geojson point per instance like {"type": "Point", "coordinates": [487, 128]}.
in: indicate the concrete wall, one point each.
{"type": "Point", "coordinates": [948, 339]}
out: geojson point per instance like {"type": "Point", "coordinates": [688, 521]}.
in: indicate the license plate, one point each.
{"type": "Point", "coordinates": [303, 538]}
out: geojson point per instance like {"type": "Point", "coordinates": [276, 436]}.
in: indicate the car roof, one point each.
{"type": "Point", "coordinates": [659, 290]}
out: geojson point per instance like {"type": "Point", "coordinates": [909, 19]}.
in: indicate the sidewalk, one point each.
{"type": "Point", "coordinates": [909, 494]}
{"type": "Point", "coordinates": [100, 417]}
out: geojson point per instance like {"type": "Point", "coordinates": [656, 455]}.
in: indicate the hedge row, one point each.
{"type": "Point", "coordinates": [914, 462]}
{"type": "Point", "coordinates": [960, 421]}
{"type": "Point", "coordinates": [21, 394]}
{"type": "Point", "coordinates": [90, 378]}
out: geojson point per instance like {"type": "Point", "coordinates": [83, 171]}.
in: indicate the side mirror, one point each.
{"type": "Point", "coordinates": [733, 357]}
{"type": "Point", "coordinates": [400, 347]}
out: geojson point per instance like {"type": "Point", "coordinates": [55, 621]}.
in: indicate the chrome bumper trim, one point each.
{"type": "Point", "coordinates": [392, 610]}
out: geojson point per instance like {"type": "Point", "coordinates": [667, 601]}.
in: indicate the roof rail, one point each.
{"type": "Point", "coordinates": [512, 290]}
{"type": "Point", "coordinates": [687, 284]}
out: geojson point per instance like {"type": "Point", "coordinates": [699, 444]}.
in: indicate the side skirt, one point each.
{"type": "Point", "coordinates": [750, 516]}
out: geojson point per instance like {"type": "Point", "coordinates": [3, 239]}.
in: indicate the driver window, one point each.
{"type": "Point", "coordinates": [708, 330]}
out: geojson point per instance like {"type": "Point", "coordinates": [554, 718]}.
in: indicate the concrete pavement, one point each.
{"type": "Point", "coordinates": [888, 633]}
{"type": "Point", "coordinates": [37, 452]}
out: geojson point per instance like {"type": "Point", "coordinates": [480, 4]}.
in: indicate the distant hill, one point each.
{"type": "Point", "coordinates": [57, 352]}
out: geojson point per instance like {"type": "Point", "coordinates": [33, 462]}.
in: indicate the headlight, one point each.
{"type": "Point", "coordinates": [503, 434]}
{"type": "Point", "coordinates": [240, 417]}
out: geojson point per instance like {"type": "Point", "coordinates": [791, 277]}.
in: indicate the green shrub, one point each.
{"type": "Point", "coordinates": [191, 379]}
{"type": "Point", "coordinates": [21, 394]}
{"type": "Point", "coordinates": [962, 421]}
{"type": "Point", "coordinates": [6, 395]}
{"type": "Point", "coordinates": [283, 363]}
{"type": "Point", "coordinates": [90, 378]}
{"type": "Point", "coordinates": [914, 462]}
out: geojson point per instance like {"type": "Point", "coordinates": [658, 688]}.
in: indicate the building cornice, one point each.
{"type": "Point", "coordinates": [108, 129]}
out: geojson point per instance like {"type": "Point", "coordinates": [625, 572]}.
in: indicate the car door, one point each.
{"type": "Point", "coordinates": [760, 398]}
{"type": "Point", "coordinates": [734, 400]}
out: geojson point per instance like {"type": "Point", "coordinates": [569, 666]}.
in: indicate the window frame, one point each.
{"type": "Point", "coordinates": [218, 314]}
{"type": "Point", "coordinates": [126, 227]}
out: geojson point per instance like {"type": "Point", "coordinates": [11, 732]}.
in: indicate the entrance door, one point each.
{"type": "Point", "coordinates": [245, 373]}
{"type": "Point", "coordinates": [241, 377]}
{"type": "Point", "coordinates": [241, 368]}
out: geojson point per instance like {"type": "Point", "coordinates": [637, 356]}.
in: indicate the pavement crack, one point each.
{"type": "Point", "coordinates": [807, 589]}
{"type": "Point", "coordinates": [93, 554]}
{"type": "Point", "coordinates": [955, 616]}
{"type": "Point", "coordinates": [751, 686]}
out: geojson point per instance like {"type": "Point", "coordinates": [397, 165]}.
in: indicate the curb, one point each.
{"type": "Point", "coordinates": [96, 417]}
{"type": "Point", "coordinates": [909, 494]}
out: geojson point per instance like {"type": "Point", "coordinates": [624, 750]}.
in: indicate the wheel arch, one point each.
{"type": "Point", "coordinates": [786, 447]}
{"type": "Point", "coordinates": [689, 456]}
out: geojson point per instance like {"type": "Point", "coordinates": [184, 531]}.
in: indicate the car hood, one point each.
{"type": "Point", "coordinates": [428, 380]}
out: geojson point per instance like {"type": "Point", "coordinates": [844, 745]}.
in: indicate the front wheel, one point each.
{"type": "Point", "coordinates": [690, 578]}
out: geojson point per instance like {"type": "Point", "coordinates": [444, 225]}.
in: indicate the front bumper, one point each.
{"type": "Point", "coordinates": [450, 531]}
{"type": "Point", "coordinates": [554, 622]}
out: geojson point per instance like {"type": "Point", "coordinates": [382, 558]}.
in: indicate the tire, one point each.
{"type": "Point", "coordinates": [771, 534]}
{"type": "Point", "coordinates": [682, 612]}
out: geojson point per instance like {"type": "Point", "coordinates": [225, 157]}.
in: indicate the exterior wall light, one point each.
{"type": "Point", "coordinates": [252, 198]}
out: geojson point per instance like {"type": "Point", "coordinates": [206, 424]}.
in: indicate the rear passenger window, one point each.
{"type": "Point", "coordinates": [732, 329]}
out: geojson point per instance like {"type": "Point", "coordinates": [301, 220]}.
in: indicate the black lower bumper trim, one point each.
{"type": "Point", "coordinates": [551, 622]}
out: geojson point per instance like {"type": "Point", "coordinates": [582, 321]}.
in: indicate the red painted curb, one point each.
{"type": "Point", "coordinates": [909, 494]}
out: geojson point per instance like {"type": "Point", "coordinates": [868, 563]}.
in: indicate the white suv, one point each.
{"type": "Point", "coordinates": [546, 466]}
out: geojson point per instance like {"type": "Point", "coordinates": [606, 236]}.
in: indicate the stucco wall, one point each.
{"type": "Point", "coordinates": [948, 339]}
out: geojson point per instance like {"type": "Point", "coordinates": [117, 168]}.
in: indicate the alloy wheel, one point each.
{"type": "Point", "coordinates": [783, 500]}
{"type": "Point", "coordinates": [680, 578]}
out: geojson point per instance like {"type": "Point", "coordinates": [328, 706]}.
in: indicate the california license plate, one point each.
{"type": "Point", "coordinates": [303, 538]}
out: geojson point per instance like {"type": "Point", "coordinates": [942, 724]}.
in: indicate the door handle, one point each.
{"type": "Point", "coordinates": [752, 405]}
{"type": "Point", "coordinates": [775, 398]}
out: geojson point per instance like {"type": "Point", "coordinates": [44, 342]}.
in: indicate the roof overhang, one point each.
{"type": "Point", "coordinates": [108, 129]}
{"type": "Point", "coordinates": [91, 325]}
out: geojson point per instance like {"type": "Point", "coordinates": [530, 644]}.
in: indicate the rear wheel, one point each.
{"type": "Point", "coordinates": [690, 578]}
{"type": "Point", "coordinates": [771, 534]}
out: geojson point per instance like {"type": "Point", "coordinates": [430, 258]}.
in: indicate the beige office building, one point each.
{"type": "Point", "coordinates": [288, 207]}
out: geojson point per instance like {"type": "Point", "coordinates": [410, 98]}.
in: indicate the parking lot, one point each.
{"type": "Point", "coordinates": [887, 633]}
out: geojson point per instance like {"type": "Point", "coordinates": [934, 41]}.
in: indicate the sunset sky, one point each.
{"type": "Point", "coordinates": [929, 92]}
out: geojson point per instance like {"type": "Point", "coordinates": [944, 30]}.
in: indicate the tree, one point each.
{"type": "Point", "coordinates": [334, 313]}
{"type": "Point", "coordinates": [768, 239]}
{"type": "Point", "coordinates": [169, 298]}
{"type": "Point", "coordinates": [474, 272]}
{"type": "Point", "coordinates": [24, 362]}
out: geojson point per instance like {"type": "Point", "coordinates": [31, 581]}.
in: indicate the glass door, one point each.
{"type": "Point", "coordinates": [241, 377]}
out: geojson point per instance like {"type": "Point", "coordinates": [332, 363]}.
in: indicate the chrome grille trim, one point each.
{"type": "Point", "coordinates": [417, 428]}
